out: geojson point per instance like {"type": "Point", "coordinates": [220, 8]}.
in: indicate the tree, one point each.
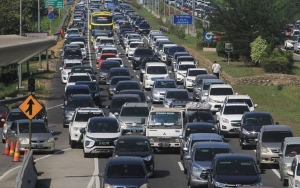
{"type": "Point", "coordinates": [258, 47]}
{"type": "Point", "coordinates": [242, 21]}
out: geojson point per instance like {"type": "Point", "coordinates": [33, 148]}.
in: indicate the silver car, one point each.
{"type": "Point", "coordinates": [199, 160]}
{"type": "Point", "coordinates": [42, 139]}
{"type": "Point", "coordinates": [203, 88]}
{"type": "Point", "coordinates": [175, 94]}
{"type": "Point", "coordinates": [160, 87]}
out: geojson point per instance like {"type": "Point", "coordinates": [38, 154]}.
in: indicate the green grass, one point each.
{"type": "Point", "coordinates": [55, 23]}
{"type": "Point", "coordinates": [284, 105]}
{"type": "Point", "coordinates": [296, 68]}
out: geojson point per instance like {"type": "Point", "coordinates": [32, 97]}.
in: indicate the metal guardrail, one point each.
{"type": "Point", "coordinates": [164, 29]}
{"type": "Point", "coordinates": [13, 100]}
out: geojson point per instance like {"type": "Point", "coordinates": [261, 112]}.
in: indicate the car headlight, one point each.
{"type": "Point", "coordinates": [5, 125]}
{"type": "Point", "coordinates": [197, 169]}
{"type": "Point", "coordinates": [69, 114]}
{"type": "Point", "coordinates": [136, 58]}
{"type": "Point", "coordinates": [257, 184]}
{"type": "Point", "coordinates": [50, 139]}
{"type": "Point", "coordinates": [24, 140]}
{"type": "Point", "coordinates": [151, 140]}
{"type": "Point", "coordinates": [145, 185]}
{"type": "Point", "coordinates": [218, 184]}
{"type": "Point", "coordinates": [264, 150]}
{"type": "Point", "coordinates": [107, 186]}
{"type": "Point", "coordinates": [245, 132]}
{"type": "Point", "coordinates": [97, 94]}
{"type": "Point", "coordinates": [225, 120]}
{"type": "Point", "coordinates": [91, 138]}
{"type": "Point", "coordinates": [287, 166]}
{"type": "Point", "coordinates": [122, 124]}
{"type": "Point", "coordinates": [148, 158]}
{"type": "Point", "coordinates": [76, 128]}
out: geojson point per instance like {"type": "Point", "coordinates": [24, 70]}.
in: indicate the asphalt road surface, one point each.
{"type": "Point", "coordinates": [68, 168]}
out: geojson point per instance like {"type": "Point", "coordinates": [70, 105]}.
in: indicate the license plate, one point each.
{"type": "Point", "coordinates": [39, 146]}
{"type": "Point", "coordinates": [236, 129]}
{"type": "Point", "coordinates": [275, 160]}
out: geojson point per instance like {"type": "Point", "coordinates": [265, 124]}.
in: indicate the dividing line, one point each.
{"type": "Point", "coordinates": [180, 166]}
{"type": "Point", "coordinates": [54, 106]}
{"type": "Point", "coordinates": [274, 170]}
{"type": "Point", "coordinates": [95, 177]}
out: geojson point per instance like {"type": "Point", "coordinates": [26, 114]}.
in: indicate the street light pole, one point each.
{"type": "Point", "coordinates": [19, 65]}
{"type": "Point", "coordinates": [20, 17]}
{"type": "Point", "coordinates": [193, 16]}
{"type": "Point", "coordinates": [39, 30]}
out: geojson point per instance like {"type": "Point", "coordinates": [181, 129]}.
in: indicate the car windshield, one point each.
{"type": "Point", "coordinates": [75, 53]}
{"type": "Point", "coordinates": [144, 26]}
{"type": "Point", "coordinates": [176, 49]}
{"type": "Point", "coordinates": [128, 86]}
{"type": "Point", "coordinates": [85, 116]}
{"type": "Point", "coordinates": [186, 67]}
{"type": "Point", "coordinates": [165, 119]}
{"type": "Point", "coordinates": [78, 78]}
{"type": "Point", "coordinates": [258, 120]}
{"type": "Point", "coordinates": [134, 45]}
{"type": "Point", "coordinates": [206, 85]}
{"type": "Point", "coordinates": [118, 103]}
{"type": "Point", "coordinates": [79, 103]}
{"type": "Point", "coordinates": [196, 72]}
{"type": "Point", "coordinates": [119, 73]}
{"type": "Point", "coordinates": [292, 150]}
{"type": "Point", "coordinates": [165, 84]}
{"type": "Point", "coordinates": [177, 95]}
{"type": "Point", "coordinates": [107, 41]}
{"type": "Point", "coordinates": [247, 101]}
{"type": "Point", "coordinates": [126, 171]}
{"type": "Point", "coordinates": [142, 52]}
{"type": "Point", "coordinates": [70, 65]}
{"type": "Point", "coordinates": [82, 70]}
{"type": "Point", "coordinates": [104, 57]}
{"type": "Point", "coordinates": [35, 128]}
{"type": "Point", "coordinates": [275, 136]}
{"type": "Point", "coordinates": [157, 70]}
{"type": "Point", "coordinates": [221, 91]}
{"type": "Point", "coordinates": [200, 116]}
{"type": "Point", "coordinates": [199, 129]}
{"type": "Point", "coordinates": [103, 127]}
{"type": "Point", "coordinates": [12, 116]}
{"type": "Point", "coordinates": [133, 146]}
{"type": "Point", "coordinates": [235, 110]}
{"type": "Point", "coordinates": [135, 112]}
{"type": "Point", "coordinates": [77, 91]}
{"type": "Point", "coordinates": [186, 59]}
{"type": "Point", "coordinates": [114, 80]}
{"type": "Point", "coordinates": [108, 66]}
{"type": "Point", "coordinates": [207, 154]}
{"type": "Point", "coordinates": [236, 167]}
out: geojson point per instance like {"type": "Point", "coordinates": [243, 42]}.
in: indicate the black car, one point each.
{"type": "Point", "coordinates": [111, 88]}
{"type": "Point", "coordinates": [70, 37]}
{"type": "Point", "coordinates": [117, 72]}
{"type": "Point", "coordinates": [125, 172]}
{"type": "Point", "coordinates": [139, 53]}
{"type": "Point", "coordinates": [141, 93]}
{"type": "Point", "coordinates": [73, 102]}
{"type": "Point", "coordinates": [171, 52]}
{"type": "Point", "coordinates": [127, 85]}
{"type": "Point", "coordinates": [233, 169]}
{"type": "Point", "coordinates": [75, 89]}
{"type": "Point", "coordinates": [105, 68]}
{"type": "Point", "coordinates": [119, 100]}
{"type": "Point", "coordinates": [136, 145]}
{"type": "Point", "coordinates": [82, 69]}
{"type": "Point", "coordinates": [195, 127]}
{"type": "Point", "coordinates": [94, 89]}
{"type": "Point", "coordinates": [144, 28]}
{"type": "Point", "coordinates": [251, 124]}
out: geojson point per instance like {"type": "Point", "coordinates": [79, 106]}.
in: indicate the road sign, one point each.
{"type": "Point", "coordinates": [208, 36]}
{"type": "Point", "coordinates": [50, 16]}
{"type": "Point", "coordinates": [228, 47]}
{"type": "Point", "coordinates": [183, 19]}
{"type": "Point", "coordinates": [54, 3]}
{"type": "Point", "coordinates": [30, 107]}
{"type": "Point", "coordinates": [50, 9]}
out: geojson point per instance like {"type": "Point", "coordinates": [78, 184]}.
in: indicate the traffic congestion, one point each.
{"type": "Point", "coordinates": [142, 105]}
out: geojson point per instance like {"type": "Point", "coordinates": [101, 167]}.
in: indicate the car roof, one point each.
{"type": "Point", "coordinates": [125, 160]}
{"type": "Point", "coordinates": [176, 89]}
{"type": "Point", "coordinates": [256, 113]}
{"type": "Point", "coordinates": [160, 80]}
{"type": "Point", "coordinates": [233, 156]}
{"type": "Point", "coordinates": [238, 97]}
{"type": "Point", "coordinates": [110, 62]}
{"type": "Point", "coordinates": [133, 137]}
{"type": "Point", "coordinates": [131, 91]}
{"type": "Point", "coordinates": [203, 136]}
{"type": "Point", "coordinates": [206, 76]}
{"type": "Point", "coordinates": [118, 77]}
{"type": "Point", "coordinates": [292, 140]}
{"type": "Point", "coordinates": [118, 69]}
{"type": "Point", "coordinates": [33, 121]}
{"type": "Point", "coordinates": [135, 104]}
{"type": "Point", "coordinates": [15, 110]}
{"type": "Point", "coordinates": [127, 82]}
{"type": "Point", "coordinates": [82, 66]}
{"type": "Point", "coordinates": [80, 74]}
{"type": "Point", "coordinates": [184, 56]}
{"type": "Point", "coordinates": [80, 96]}
{"type": "Point", "coordinates": [276, 128]}
{"type": "Point", "coordinates": [126, 96]}
{"type": "Point", "coordinates": [152, 64]}
{"type": "Point", "coordinates": [111, 119]}
{"type": "Point", "coordinates": [198, 124]}
{"type": "Point", "coordinates": [212, 145]}
{"type": "Point", "coordinates": [237, 104]}
{"type": "Point", "coordinates": [220, 86]}
{"type": "Point", "coordinates": [85, 82]}
{"type": "Point", "coordinates": [213, 81]}
{"type": "Point", "coordinates": [103, 54]}
{"type": "Point", "coordinates": [88, 109]}
{"type": "Point", "coordinates": [74, 87]}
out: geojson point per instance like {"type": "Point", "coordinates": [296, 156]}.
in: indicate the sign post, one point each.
{"type": "Point", "coordinates": [51, 17]}
{"type": "Point", "coordinates": [30, 107]}
{"type": "Point", "coordinates": [228, 49]}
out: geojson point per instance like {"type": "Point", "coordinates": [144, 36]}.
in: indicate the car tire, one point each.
{"type": "Point", "coordinates": [141, 78]}
{"type": "Point", "coordinates": [73, 144]}
{"type": "Point", "coordinates": [152, 171]}
{"type": "Point", "coordinates": [51, 152]}
{"type": "Point", "coordinates": [184, 170]}
{"type": "Point", "coordinates": [285, 182]}
{"type": "Point", "coordinates": [64, 125]}
{"type": "Point", "coordinates": [86, 155]}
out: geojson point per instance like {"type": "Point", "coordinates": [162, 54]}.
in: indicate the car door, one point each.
{"type": "Point", "coordinates": [190, 162]}
{"type": "Point", "coordinates": [12, 131]}
{"type": "Point", "coordinates": [186, 153]}
{"type": "Point", "coordinates": [293, 170]}
{"type": "Point", "coordinates": [281, 163]}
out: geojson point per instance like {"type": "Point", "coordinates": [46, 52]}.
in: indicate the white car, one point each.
{"type": "Point", "coordinates": [131, 36]}
{"type": "Point", "coordinates": [161, 54]}
{"type": "Point", "coordinates": [289, 43]}
{"type": "Point", "coordinates": [216, 95]}
{"type": "Point", "coordinates": [229, 118]}
{"type": "Point", "coordinates": [131, 48]}
{"type": "Point", "coordinates": [241, 98]}
{"type": "Point", "coordinates": [191, 75]}
{"type": "Point", "coordinates": [180, 72]}
{"type": "Point", "coordinates": [75, 77]}
{"type": "Point", "coordinates": [79, 121]}
{"type": "Point", "coordinates": [107, 41]}
{"type": "Point", "coordinates": [116, 59]}
{"type": "Point", "coordinates": [71, 31]}
{"type": "Point", "coordinates": [99, 135]}
{"type": "Point", "coordinates": [66, 69]}
{"type": "Point", "coordinates": [154, 71]}
{"type": "Point", "coordinates": [110, 50]}
{"type": "Point", "coordinates": [82, 48]}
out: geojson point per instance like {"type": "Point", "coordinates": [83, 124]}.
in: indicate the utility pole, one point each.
{"type": "Point", "coordinates": [19, 65]}
{"type": "Point", "coordinates": [39, 30]}
{"type": "Point", "coordinates": [193, 16]}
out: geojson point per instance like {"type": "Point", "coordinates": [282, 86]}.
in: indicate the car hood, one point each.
{"type": "Point", "coordinates": [134, 182]}
{"type": "Point", "coordinates": [134, 154]}
{"type": "Point", "coordinates": [191, 77]}
{"type": "Point", "coordinates": [104, 135]}
{"type": "Point", "coordinates": [252, 128]}
{"type": "Point", "coordinates": [220, 98]}
{"type": "Point", "coordinates": [161, 90]}
{"type": "Point", "coordinates": [240, 179]}
{"type": "Point", "coordinates": [36, 136]}
{"type": "Point", "coordinates": [233, 117]}
{"type": "Point", "coordinates": [158, 76]}
{"type": "Point", "coordinates": [203, 164]}
{"type": "Point", "coordinates": [136, 120]}
{"type": "Point", "coordinates": [78, 124]}
{"type": "Point", "coordinates": [8, 123]}
{"type": "Point", "coordinates": [275, 145]}
{"type": "Point", "coordinates": [104, 71]}
{"type": "Point", "coordinates": [112, 86]}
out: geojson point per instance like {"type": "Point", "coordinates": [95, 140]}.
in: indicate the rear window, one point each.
{"type": "Point", "coordinates": [142, 52]}
{"type": "Point", "coordinates": [104, 57]}
{"type": "Point", "coordinates": [221, 91]}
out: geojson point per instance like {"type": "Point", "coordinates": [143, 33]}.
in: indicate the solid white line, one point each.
{"type": "Point", "coordinates": [131, 65]}
{"type": "Point", "coordinates": [276, 173]}
{"type": "Point", "coordinates": [96, 175]}
{"type": "Point", "coordinates": [54, 106]}
{"type": "Point", "coordinates": [9, 171]}
{"type": "Point", "coordinates": [180, 166]}
{"type": "Point", "coordinates": [137, 76]}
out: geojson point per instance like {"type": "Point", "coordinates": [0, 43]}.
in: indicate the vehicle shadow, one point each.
{"type": "Point", "coordinates": [166, 151]}
{"type": "Point", "coordinates": [55, 133]}
{"type": "Point", "coordinates": [43, 183]}
{"type": "Point", "coordinates": [161, 173]}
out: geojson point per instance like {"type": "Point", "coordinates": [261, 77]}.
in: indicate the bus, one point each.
{"type": "Point", "coordinates": [103, 20]}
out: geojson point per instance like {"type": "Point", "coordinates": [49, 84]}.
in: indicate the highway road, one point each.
{"type": "Point", "coordinates": [68, 168]}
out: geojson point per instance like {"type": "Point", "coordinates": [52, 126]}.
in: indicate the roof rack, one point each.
{"type": "Point", "coordinates": [198, 105]}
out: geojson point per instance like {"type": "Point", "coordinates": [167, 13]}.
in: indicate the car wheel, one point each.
{"type": "Point", "coordinates": [152, 171]}
{"type": "Point", "coordinates": [64, 125]}
{"type": "Point", "coordinates": [184, 170]}
{"type": "Point", "coordinates": [73, 144]}
{"type": "Point", "coordinates": [51, 152]}
{"type": "Point", "coordinates": [189, 181]}
{"type": "Point", "coordinates": [86, 155]}
{"type": "Point", "coordinates": [285, 182]}
{"type": "Point", "coordinates": [141, 78]}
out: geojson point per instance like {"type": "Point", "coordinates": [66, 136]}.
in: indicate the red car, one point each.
{"type": "Point", "coordinates": [3, 113]}
{"type": "Point", "coordinates": [103, 57]}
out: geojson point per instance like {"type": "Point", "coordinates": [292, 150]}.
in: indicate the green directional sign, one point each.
{"type": "Point", "coordinates": [54, 3]}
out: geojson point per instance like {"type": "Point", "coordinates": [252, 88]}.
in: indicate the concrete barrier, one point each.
{"type": "Point", "coordinates": [27, 176]}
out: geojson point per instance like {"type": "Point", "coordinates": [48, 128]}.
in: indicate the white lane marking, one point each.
{"type": "Point", "coordinates": [96, 175]}
{"type": "Point", "coordinates": [131, 65]}
{"type": "Point", "coordinates": [276, 173]}
{"type": "Point", "coordinates": [137, 76]}
{"type": "Point", "coordinates": [180, 166]}
{"type": "Point", "coordinates": [54, 106]}
{"type": "Point", "coordinates": [134, 71]}
{"type": "Point", "coordinates": [92, 180]}
{"type": "Point", "coordinates": [9, 171]}
{"type": "Point", "coordinates": [141, 83]}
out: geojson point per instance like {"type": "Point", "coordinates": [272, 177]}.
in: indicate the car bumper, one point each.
{"type": "Point", "coordinates": [102, 79]}
{"type": "Point", "coordinates": [196, 181]}
{"type": "Point", "coordinates": [133, 129]}
{"type": "Point", "coordinates": [157, 98]}
{"type": "Point", "coordinates": [248, 140]}
{"type": "Point", "coordinates": [67, 120]}
{"type": "Point", "coordinates": [165, 145]}
{"type": "Point", "coordinates": [64, 79]}
{"type": "Point", "coordinates": [269, 158]}
{"type": "Point", "coordinates": [227, 128]}
{"type": "Point", "coordinates": [149, 83]}
{"type": "Point", "coordinates": [130, 55]}
{"type": "Point", "coordinates": [99, 149]}
{"type": "Point", "coordinates": [38, 147]}
{"type": "Point", "coordinates": [179, 78]}
{"type": "Point", "coordinates": [76, 135]}
{"type": "Point", "coordinates": [189, 84]}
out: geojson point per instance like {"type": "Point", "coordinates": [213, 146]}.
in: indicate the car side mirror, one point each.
{"type": "Point", "coordinates": [2, 120]}
{"type": "Point", "coordinates": [61, 50]}
{"type": "Point", "coordinates": [185, 149]}
{"type": "Point", "coordinates": [143, 120]}
{"type": "Point", "coordinates": [95, 72]}
{"type": "Point", "coordinates": [188, 157]}
{"type": "Point", "coordinates": [107, 107]}
{"type": "Point", "coordinates": [262, 171]}
{"type": "Point", "coordinates": [180, 136]}
{"type": "Point", "coordinates": [205, 94]}
{"type": "Point", "coordinates": [149, 174]}
{"type": "Point", "coordinates": [51, 131]}
{"type": "Point", "coordinates": [82, 131]}
{"type": "Point", "coordinates": [62, 107]}
{"type": "Point", "coordinates": [255, 105]}
{"type": "Point", "coordinates": [116, 113]}
{"type": "Point", "coordinates": [290, 173]}
{"type": "Point", "coordinates": [218, 113]}
{"type": "Point", "coordinates": [115, 142]}
{"type": "Point", "coordinates": [280, 154]}
{"type": "Point", "coordinates": [60, 68]}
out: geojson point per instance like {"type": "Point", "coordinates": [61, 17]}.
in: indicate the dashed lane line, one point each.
{"type": "Point", "coordinates": [180, 166]}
